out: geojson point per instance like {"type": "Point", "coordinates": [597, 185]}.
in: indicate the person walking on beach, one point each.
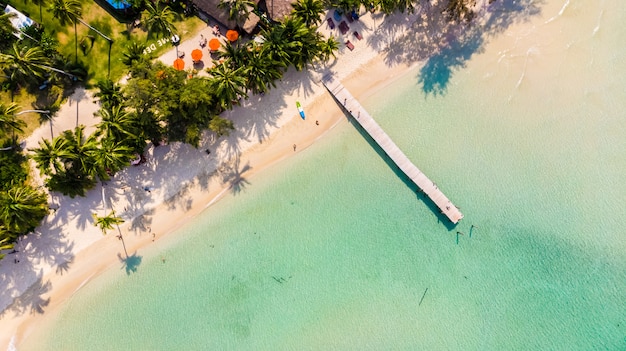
{"type": "Point", "coordinates": [294, 147]}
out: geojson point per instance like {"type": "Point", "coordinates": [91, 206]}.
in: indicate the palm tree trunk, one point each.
{"type": "Point", "coordinates": [76, 41]}
{"type": "Point", "coordinates": [58, 71]}
{"type": "Point", "coordinates": [51, 133]}
{"type": "Point", "coordinates": [121, 236]}
{"type": "Point", "coordinates": [123, 243]}
{"type": "Point", "coordinates": [109, 64]}
{"type": "Point", "coordinates": [102, 35]}
{"type": "Point", "coordinates": [95, 30]}
{"type": "Point", "coordinates": [40, 14]}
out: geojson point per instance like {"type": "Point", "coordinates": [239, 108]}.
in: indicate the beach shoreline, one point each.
{"type": "Point", "coordinates": [342, 250]}
{"type": "Point", "coordinates": [98, 253]}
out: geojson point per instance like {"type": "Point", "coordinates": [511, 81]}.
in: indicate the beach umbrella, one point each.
{"type": "Point", "coordinates": [179, 64]}
{"type": "Point", "coordinates": [196, 55]}
{"type": "Point", "coordinates": [232, 35]}
{"type": "Point", "coordinates": [214, 44]}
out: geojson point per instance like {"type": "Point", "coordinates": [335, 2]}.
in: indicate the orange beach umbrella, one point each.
{"type": "Point", "coordinates": [214, 44]}
{"type": "Point", "coordinates": [179, 64]}
{"type": "Point", "coordinates": [196, 55]}
{"type": "Point", "coordinates": [232, 35]}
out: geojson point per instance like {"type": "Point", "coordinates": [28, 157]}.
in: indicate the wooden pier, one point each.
{"type": "Point", "coordinates": [358, 113]}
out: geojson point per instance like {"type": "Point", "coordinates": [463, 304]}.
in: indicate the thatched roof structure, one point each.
{"type": "Point", "coordinates": [277, 10]}
{"type": "Point", "coordinates": [210, 7]}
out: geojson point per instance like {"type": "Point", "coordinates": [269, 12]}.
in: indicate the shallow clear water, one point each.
{"type": "Point", "coordinates": [333, 250]}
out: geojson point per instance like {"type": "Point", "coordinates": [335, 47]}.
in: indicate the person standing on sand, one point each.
{"type": "Point", "coordinates": [294, 147]}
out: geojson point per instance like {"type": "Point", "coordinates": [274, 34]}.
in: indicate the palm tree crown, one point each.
{"type": "Point", "coordinates": [116, 124]}
{"type": "Point", "coordinates": [21, 208]}
{"type": "Point", "coordinates": [107, 222]}
{"type": "Point", "coordinates": [159, 19]}
{"type": "Point", "coordinates": [310, 11]}
{"type": "Point", "coordinates": [24, 63]}
{"type": "Point", "coordinates": [9, 120]}
{"type": "Point", "coordinates": [228, 83]}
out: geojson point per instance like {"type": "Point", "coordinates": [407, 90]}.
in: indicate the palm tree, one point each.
{"type": "Point", "coordinates": [303, 40]}
{"type": "Point", "coordinates": [238, 10]}
{"type": "Point", "coordinates": [263, 72]}
{"type": "Point", "coordinates": [278, 44]}
{"type": "Point", "coordinates": [111, 157]}
{"type": "Point", "coordinates": [133, 53]}
{"type": "Point", "coordinates": [23, 63]}
{"type": "Point", "coordinates": [116, 124]}
{"type": "Point", "coordinates": [22, 208]}
{"type": "Point", "coordinates": [50, 156]}
{"type": "Point", "coordinates": [327, 49]}
{"type": "Point", "coordinates": [9, 120]}
{"type": "Point", "coordinates": [68, 11]}
{"type": "Point", "coordinates": [228, 84]}
{"type": "Point", "coordinates": [5, 23]}
{"type": "Point", "coordinates": [310, 11]}
{"type": "Point", "coordinates": [107, 222]}
{"type": "Point", "coordinates": [233, 56]}
{"type": "Point", "coordinates": [69, 162]}
{"type": "Point", "coordinates": [81, 148]}
{"type": "Point", "coordinates": [159, 19]}
{"type": "Point", "coordinates": [109, 93]}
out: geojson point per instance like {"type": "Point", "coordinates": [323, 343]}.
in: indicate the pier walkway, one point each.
{"type": "Point", "coordinates": [358, 113]}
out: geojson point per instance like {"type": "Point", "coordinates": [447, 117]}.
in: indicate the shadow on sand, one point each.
{"type": "Point", "coordinates": [52, 249]}
{"type": "Point", "coordinates": [446, 46]}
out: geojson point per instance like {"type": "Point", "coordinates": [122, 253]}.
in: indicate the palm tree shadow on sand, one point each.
{"type": "Point", "coordinates": [130, 263]}
{"type": "Point", "coordinates": [446, 46]}
{"type": "Point", "coordinates": [232, 175]}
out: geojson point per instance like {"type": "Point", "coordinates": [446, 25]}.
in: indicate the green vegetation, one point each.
{"type": "Point", "coordinates": [93, 49]}
{"type": "Point", "coordinates": [107, 222]}
{"type": "Point", "coordinates": [21, 206]}
{"type": "Point", "coordinates": [21, 209]}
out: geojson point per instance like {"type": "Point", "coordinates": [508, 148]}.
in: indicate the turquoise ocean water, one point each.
{"type": "Point", "coordinates": [332, 250]}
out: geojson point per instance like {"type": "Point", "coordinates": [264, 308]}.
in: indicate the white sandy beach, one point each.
{"type": "Point", "coordinates": [67, 250]}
